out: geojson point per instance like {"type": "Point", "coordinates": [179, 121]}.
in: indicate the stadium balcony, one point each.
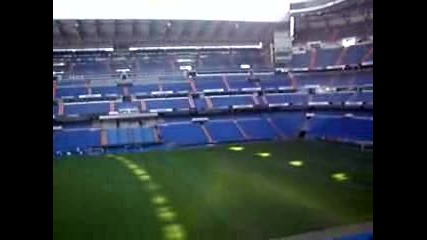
{"type": "Point", "coordinates": [328, 58]}
{"type": "Point", "coordinates": [273, 107]}
{"type": "Point", "coordinates": [167, 103]}
{"type": "Point", "coordinates": [277, 99]}
{"type": "Point", "coordinates": [226, 101]}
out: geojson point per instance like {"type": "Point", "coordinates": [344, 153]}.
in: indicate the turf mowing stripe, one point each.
{"type": "Point", "coordinates": [172, 230]}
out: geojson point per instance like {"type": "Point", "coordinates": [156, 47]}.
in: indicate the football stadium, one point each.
{"type": "Point", "coordinates": [188, 120]}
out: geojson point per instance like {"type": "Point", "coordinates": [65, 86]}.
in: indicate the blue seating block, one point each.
{"type": "Point", "coordinates": [258, 128]}
{"type": "Point", "coordinates": [69, 140]}
{"type": "Point", "coordinates": [107, 90]}
{"type": "Point", "coordinates": [174, 103]}
{"type": "Point", "coordinates": [342, 128]}
{"type": "Point", "coordinates": [144, 88]}
{"type": "Point", "coordinates": [289, 124]}
{"type": "Point", "coordinates": [71, 91]}
{"type": "Point", "coordinates": [327, 57]}
{"type": "Point", "coordinates": [301, 60]}
{"type": "Point", "coordinates": [87, 108]}
{"type": "Point", "coordinates": [183, 134]}
{"type": "Point", "coordinates": [294, 98]}
{"type": "Point", "coordinates": [226, 101]}
{"type": "Point", "coordinates": [224, 131]}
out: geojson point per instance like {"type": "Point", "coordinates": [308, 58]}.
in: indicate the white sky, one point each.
{"type": "Point", "coordinates": [232, 10]}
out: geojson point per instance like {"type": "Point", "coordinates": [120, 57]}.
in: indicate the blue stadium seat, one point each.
{"type": "Point", "coordinates": [127, 105]}
{"type": "Point", "coordinates": [301, 60]}
{"type": "Point", "coordinates": [144, 88]}
{"type": "Point", "coordinates": [230, 100]}
{"type": "Point", "coordinates": [327, 57]}
{"type": "Point", "coordinates": [163, 103]}
{"type": "Point", "coordinates": [240, 82]}
{"type": "Point", "coordinates": [258, 128]}
{"type": "Point", "coordinates": [275, 81]}
{"type": "Point", "coordinates": [200, 104]}
{"type": "Point", "coordinates": [289, 124]}
{"type": "Point", "coordinates": [203, 83]}
{"type": "Point", "coordinates": [71, 91]}
{"type": "Point", "coordinates": [177, 87]}
{"type": "Point", "coordinates": [69, 140]}
{"type": "Point", "coordinates": [107, 90]}
{"type": "Point", "coordinates": [183, 134]}
{"type": "Point", "coordinates": [355, 54]}
{"type": "Point", "coordinates": [123, 136]}
{"type": "Point", "coordinates": [292, 98]}
{"type": "Point", "coordinates": [224, 131]}
{"type": "Point", "coordinates": [341, 128]}
{"type": "Point", "coordinates": [366, 97]}
{"type": "Point", "coordinates": [335, 98]}
{"type": "Point", "coordinates": [87, 108]}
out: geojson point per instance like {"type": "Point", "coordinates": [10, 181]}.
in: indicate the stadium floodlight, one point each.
{"type": "Point", "coordinates": [245, 66]}
{"type": "Point", "coordinates": [123, 70]}
{"type": "Point", "coordinates": [184, 60]}
{"type": "Point", "coordinates": [58, 64]}
{"type": "Point", "coordinates": [65, 50]}
{"type": "Point", "coordinates": [347, 42]}
{"type": "Point", "coordinates": [56, 73]}
{"type": "Point", "coordinates": [188, 68]}
{"type": "Point", "coordinates": [225, 47]}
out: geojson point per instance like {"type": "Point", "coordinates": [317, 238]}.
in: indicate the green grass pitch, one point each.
{"type": "Point", "coordinates": [212, 193]}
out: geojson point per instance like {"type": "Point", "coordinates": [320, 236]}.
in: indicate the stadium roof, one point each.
{"type": "Point", "coordinates": [142, 33]}
{"type": "Point", "coordinates": [222, 10]}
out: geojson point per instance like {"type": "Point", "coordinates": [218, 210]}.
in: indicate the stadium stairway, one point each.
{"type": "Point", "coordinates": [143, 106]}
{"type": "Point", "coordinates": [293, 80]}
{"type": "Point", "coordinates": [192, 85]}
{"type": "Point", "coordinates": [88, 88]}
{"type": "Point", "coordinates": [368, 54]}
{"type": "Point", "coordinates": [255, 98]}
{"type": "Point", "coordinates": [225, 81]}
{"type": "Point", "coordinates": [125, 90]}
{"type": "Point", "coordinates": [341, 56]}
{"type": "Point", "coordinates": [207, 134]}
{"type": "Point", "coordinates": [313, 58]}
{"type": "Point", "coordinates": [264, 100]}
{"type": "Point", "coordinates": [112, 107]}
{"type": "Point", "coordinates": [156, 134]}
{"type": "Point", "coordinates": [209, 103]}
{"type": "Point", "coordinates": [191, 102]}
{"type": "Point", "coordinates": [60, 107]}
{"type": "Point", "coordinates": [245, 136]}
{"type": "Point", "coordinates": [273, 125]}
{"type": "Point", "coordinates": [104, 138]}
